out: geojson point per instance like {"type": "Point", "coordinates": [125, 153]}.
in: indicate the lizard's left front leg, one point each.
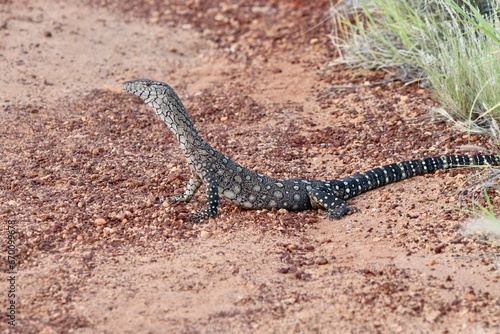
{"type": "Point", "coordinates": [212, 199]}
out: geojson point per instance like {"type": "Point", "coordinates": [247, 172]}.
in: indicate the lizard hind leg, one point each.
{"type": "Point", "coordinates": [325, 198]}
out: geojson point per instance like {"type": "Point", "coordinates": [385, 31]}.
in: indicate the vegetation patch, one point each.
{"type": "Point", "coordinates": [451, 46]}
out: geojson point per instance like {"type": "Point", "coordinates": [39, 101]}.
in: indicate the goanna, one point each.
{"type": "Point", "coordinates": [251, 190]}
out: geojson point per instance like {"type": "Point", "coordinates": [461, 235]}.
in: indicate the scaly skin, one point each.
{"type": "Point", "coordinates": [251, 190]}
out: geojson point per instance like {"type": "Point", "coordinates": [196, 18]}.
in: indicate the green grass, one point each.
{"type": "Point", "coordinates": [456, 50]}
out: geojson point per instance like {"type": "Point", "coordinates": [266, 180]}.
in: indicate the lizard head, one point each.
{"type": "Point", "coordinates": [163, 99]}
{"type": "Point", "coordinates": [147, 89]}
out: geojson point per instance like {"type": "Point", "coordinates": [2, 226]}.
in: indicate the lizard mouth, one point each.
{"type": "Point", "coordinates": [144, 87]}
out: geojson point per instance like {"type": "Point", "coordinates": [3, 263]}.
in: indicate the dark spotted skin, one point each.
{"type": "Point", "coordinates": [251, 190]}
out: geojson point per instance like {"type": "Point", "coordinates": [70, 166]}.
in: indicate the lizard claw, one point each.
{"type": "Point", "coordinates": [176, 198]}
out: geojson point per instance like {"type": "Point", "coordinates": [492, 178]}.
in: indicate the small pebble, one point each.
{"type": "Point", "coordinates": [470, 297]}
{"type": "Point", "coordinates": [284, 270]}
{"type": "Point", "coordinates": [107, 230]}
{"type": "Point", "coordinates": [359, 119]}
{"type": "Point", "coordinates": [100, 222]}
{"type": "Point", "coordinates": [309, 248]}
{"type": "Point", "coordinates": [204, 234]}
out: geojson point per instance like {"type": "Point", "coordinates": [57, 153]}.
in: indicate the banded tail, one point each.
{"type": "Point", "coordinates": [332, 194]}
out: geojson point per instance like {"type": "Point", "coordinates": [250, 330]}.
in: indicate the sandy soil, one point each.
{"type": "Point", "coordinates": [84, 164]}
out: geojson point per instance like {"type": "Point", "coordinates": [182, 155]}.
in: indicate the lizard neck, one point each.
{"type": "Point", "coordinates": [174, 114]}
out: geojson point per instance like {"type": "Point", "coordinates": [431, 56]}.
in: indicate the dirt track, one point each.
{"type": "Point", "coordinates": [84, 163]}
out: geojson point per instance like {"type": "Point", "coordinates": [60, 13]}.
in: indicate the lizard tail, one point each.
{"type": "Point", "coordinates": [380, 176]}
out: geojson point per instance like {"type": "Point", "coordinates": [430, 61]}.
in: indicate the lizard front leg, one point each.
{"type": "Point", "coordinates": [191, 187]}
{"type": "Point", "coordinates": [212, 200]}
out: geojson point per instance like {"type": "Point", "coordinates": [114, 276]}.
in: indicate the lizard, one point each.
{"type": "Point", "coordinates": [251, 190]}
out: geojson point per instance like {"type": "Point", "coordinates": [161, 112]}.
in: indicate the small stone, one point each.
{"type": "Point", "coordinates": [359, 119]}
{"type": "Point", "coordinates": [220, 18]}
{"type": "Point", "coordinates": [260, 9]}
{"type": "Point", "coordinates": [314, 41]}
{"type": "Point", "coordinates": [284, 270]}
{"type": "Point", "coordinates": [100, 222]}
{"type": "Point", "coordinates": [431, 262]}
{"type": "Point", "coordinates": [204, 234]}
{"type": "Point", "coordinates": [412, 215]}
{"type": "Point", "coordinates": [107, 230]}
{"type": "Point", "coordinates": [433, 316]}
{"type": "Point", "coordinates": [309, 248]}
{"type": "Point", "coordinates": [282, 211]}
{"type": "Point", "coordinates": [470, 297]}
{"type": "Point", "coordinates": [321, 261]}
